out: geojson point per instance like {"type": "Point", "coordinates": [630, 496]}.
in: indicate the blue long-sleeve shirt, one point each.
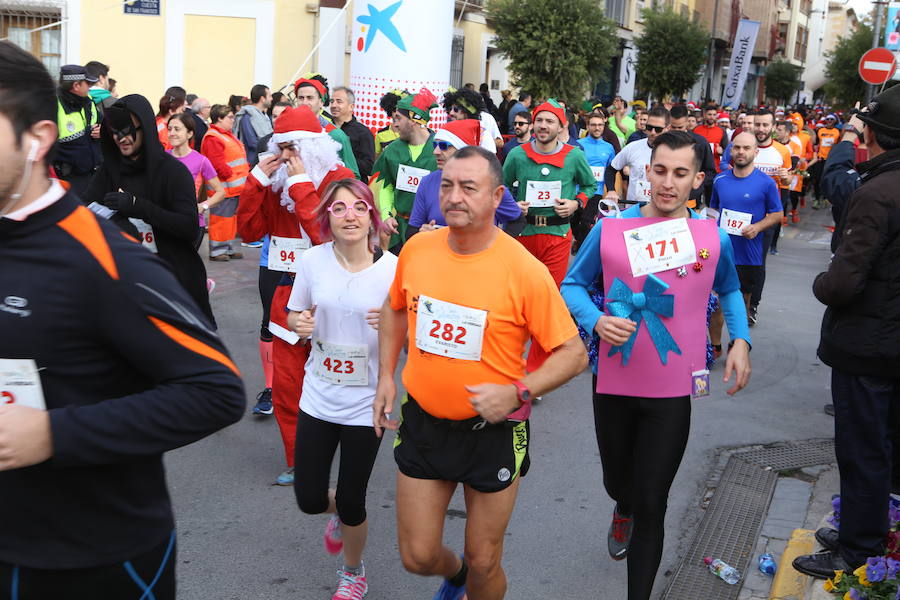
{"type": "Point", "coordinates": [427, 207]}
{"type": "Point", "coordinates": [587, 267]}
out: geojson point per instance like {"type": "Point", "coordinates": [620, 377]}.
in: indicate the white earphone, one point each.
{"type": "Point", "coordinates": [32, 152]}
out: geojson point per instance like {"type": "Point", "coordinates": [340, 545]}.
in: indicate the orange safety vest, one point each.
{"type": "Point", "coordinates": [236, 158]}
{"type": "Point", "coordinates": [162, 132]}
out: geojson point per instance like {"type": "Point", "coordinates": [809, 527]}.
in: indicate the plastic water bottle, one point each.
{"type": "Point", "coordinates": [767, 564]}
{"type": "Point", "coordinates": [722, 570]}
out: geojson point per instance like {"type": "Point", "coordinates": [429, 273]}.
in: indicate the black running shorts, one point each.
{"type": "Point", "coordinates": [486, 457]}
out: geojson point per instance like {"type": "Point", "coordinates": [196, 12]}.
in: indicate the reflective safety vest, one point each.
{"type": "Point", "coordinates": [236, 158]}
{"type": "Point", "coordinates": [73, 125]}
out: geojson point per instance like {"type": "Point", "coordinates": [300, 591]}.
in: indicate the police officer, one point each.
{"type": "Point", "coordinates": [78, 145]}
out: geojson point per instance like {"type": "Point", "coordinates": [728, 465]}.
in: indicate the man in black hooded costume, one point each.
{"type": "Point", "coordinates": [151, 192]}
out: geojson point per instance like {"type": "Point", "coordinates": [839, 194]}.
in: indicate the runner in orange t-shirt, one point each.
{"type": "Point", "coordinates": [827, 136]}
{"type": "Point", "coordinates": [480, 295]}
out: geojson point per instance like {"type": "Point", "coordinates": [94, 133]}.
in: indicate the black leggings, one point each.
{"type": "Point", "coordinates": [153, 570]}
{"type": "Point", "coordinates": [317, 441]}
{"type": "Point", "coordinates": [641, 442]}
{"type": "Point", "coordinates": [268, 281]}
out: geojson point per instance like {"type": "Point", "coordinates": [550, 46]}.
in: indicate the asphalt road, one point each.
{"type": "Point", "coordinates": [240, 537]}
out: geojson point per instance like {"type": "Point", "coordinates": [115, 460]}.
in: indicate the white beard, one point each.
{"type": "Point", "coordinates": [319, 156]}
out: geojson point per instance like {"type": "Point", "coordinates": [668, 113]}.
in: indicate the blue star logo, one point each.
{"type": "Point", "coordinates": [380, 20]}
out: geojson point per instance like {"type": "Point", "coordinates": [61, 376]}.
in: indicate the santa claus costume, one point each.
{"type": "Point", "coordinates": [283, 205]}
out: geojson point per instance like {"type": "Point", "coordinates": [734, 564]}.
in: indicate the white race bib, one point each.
{"type": "Point", "coordinates": [660, 247]}
{"type": "Point", "coordinates": [284, 252]}
{"type": "Point", "coordinates": [408, 178]}
{"type": "Point", "coordinates": [827, 142]}
{"type": "Point", "coordinates": [448, 329]}
{"type": "Point", "coordinates": [599, 173]}
{"type": "Point", "coordinates": [643, 190]}
{"type": "Point", "coordinates": [339, 364]}
{"type": "Point", "coordinates": [733, 222]}
{"type": "Point", "coordinates": [148, 238]}
{"type": "Point", "coordinates": [20, 383]}
{"type": "Point", "coordinates": [539, 194]}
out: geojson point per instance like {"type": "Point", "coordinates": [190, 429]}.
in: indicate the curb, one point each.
{"type": "Point", "coordinates": [788, 583]}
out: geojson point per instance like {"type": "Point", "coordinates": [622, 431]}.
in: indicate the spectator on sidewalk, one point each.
{"type": "Point", "coordinates": [860, 340]}
{"type": "Point", "coordinates": [252, 122]}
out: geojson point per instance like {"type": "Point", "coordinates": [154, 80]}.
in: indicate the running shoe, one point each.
{"type": "Point", "coordinates": [257, 244]}
{"type": "Point", "coordinates": [236, 255]}
{"type": "Point", "coordinates": [619, 536]}
{"type": "Point", "coordinates": [264, 403]}
{"type": "Point", "coordinates": [334, 542]}
{"type": "Point", "coordinates": [717, 351]}
{"type": "Point", "coordinates": [752, 316]}
{"type": "Point", "coordinates": [210, 285]}
{"type": "Point", "coordinates": [286, 478]}
{"type": "Point", "coordinates": [773, 251]}
{"type": "Point", "coordinates": [795, 218]}
{"type": "Point", "coordinates": [220, 258]}
{"type": "Point", "coordinates": [350, 586]}
{"type": "Point", "coordinates": [448, 591]}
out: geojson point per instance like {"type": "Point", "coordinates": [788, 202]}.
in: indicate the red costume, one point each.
{"type": "Point", "coordinates": [260, 212]}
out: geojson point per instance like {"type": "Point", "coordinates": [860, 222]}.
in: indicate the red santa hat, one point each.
{"type": "Point", "coordinates": [723, 116]}
{"type": "Point", "coordinates": [554, 107]}
{"type": "Point", "coordinates": [466, 132]}
{"type": "Point", "coordinates": [296, 124]}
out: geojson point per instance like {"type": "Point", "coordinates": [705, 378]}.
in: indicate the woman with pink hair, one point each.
{"type": "Point", "coordinates": [335, 303]}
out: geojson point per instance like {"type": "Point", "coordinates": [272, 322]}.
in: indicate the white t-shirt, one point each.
{"type": "Point", "coordinates": [489, 130]}
{"type": "Point", "coordinates": [635, 156]}
{"type": "Point", "coordinates": [342, 300]}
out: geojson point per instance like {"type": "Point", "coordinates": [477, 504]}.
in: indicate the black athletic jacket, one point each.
{"type": "Point", "coordinates": [129, 368]}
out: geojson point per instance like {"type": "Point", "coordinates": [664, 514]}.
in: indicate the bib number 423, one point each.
{"type": "Point", "coordinates": [344, 367]}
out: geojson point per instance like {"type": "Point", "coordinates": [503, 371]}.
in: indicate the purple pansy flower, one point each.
{"type": "Point", "coordinates": [893, 567]}
{"type": "Point", "coordinates": [876, 569]}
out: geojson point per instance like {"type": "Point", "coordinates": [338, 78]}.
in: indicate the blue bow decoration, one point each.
{"type": "Point", "coordinates": [647, 305]}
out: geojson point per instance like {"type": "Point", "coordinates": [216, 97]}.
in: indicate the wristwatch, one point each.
{"type": "Point", "coordinates": [857, 132]}
{"type": "Point", "coordinates": [522, 393]}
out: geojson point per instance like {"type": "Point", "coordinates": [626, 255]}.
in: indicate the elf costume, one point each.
{"type": "Point", "coordinates": [541, 180]}
{"type": "Point", "coordinates": [401, 167]}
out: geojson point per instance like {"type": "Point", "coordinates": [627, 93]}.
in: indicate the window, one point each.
{"type": "Point", "coordinates": [800, 45]}
{"type": "Point", "coordinates": [456, 60]}
{"type": "Point", "coordinates": [617, 10]}
{"type": "Point", "coordinates": [806, 7]}
{"type": "Point", "coordinates": [23, 25]}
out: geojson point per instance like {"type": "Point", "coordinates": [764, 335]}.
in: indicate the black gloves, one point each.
{"type": "Point", "coordinates": [124, 203]}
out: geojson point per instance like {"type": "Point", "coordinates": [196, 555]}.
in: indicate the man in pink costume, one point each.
{"type": "Point", "coordinates": [656, 265]}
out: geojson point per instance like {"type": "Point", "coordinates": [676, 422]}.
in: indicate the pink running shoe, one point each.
{"type": "Point", "coordinates": [210, 285]}
{"type": "Point", "coordinates": [351, 587]}
{"type": "Point", "coordinates": [333, 541]}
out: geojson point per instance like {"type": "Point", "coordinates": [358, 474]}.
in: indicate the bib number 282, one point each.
{"type": "Point", "coordinates": [447, 332]}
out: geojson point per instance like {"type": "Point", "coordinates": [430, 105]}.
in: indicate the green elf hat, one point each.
{"type": "Point", "coordinates": [418, 106]}
{"type": "Point", "coordinates": [552, 106]}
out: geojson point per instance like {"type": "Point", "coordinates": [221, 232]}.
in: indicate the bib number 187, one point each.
{"type": "Point", "coordinates": [445, 331]}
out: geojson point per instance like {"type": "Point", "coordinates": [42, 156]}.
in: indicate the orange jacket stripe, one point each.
{"type": "Point", "coordinates": [83, 226]}
{"type": "Point", "coordinates": [236, 158]}
{"type": "Point", "coordinates": [194, 345]}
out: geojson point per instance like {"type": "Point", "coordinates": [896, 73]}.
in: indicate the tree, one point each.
{"type": "Point", "coordinates": [670, 53]}
{"type": "Point", "coordinates": [555, 49]}
{"type": "Point", "coordinates": [782, 80]}
{"type": "Point", "coordinates": [842, 67]}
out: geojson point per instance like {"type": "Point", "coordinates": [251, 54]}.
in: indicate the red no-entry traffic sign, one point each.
{"type": "Point", "coordinates": [877, 66]}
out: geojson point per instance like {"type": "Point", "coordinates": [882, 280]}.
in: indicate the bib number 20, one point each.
{"type": "Point", "coordinates": [445, 331]}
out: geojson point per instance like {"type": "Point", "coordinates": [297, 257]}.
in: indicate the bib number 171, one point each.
{"type": "Point", "coordinates": [662, 247]}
